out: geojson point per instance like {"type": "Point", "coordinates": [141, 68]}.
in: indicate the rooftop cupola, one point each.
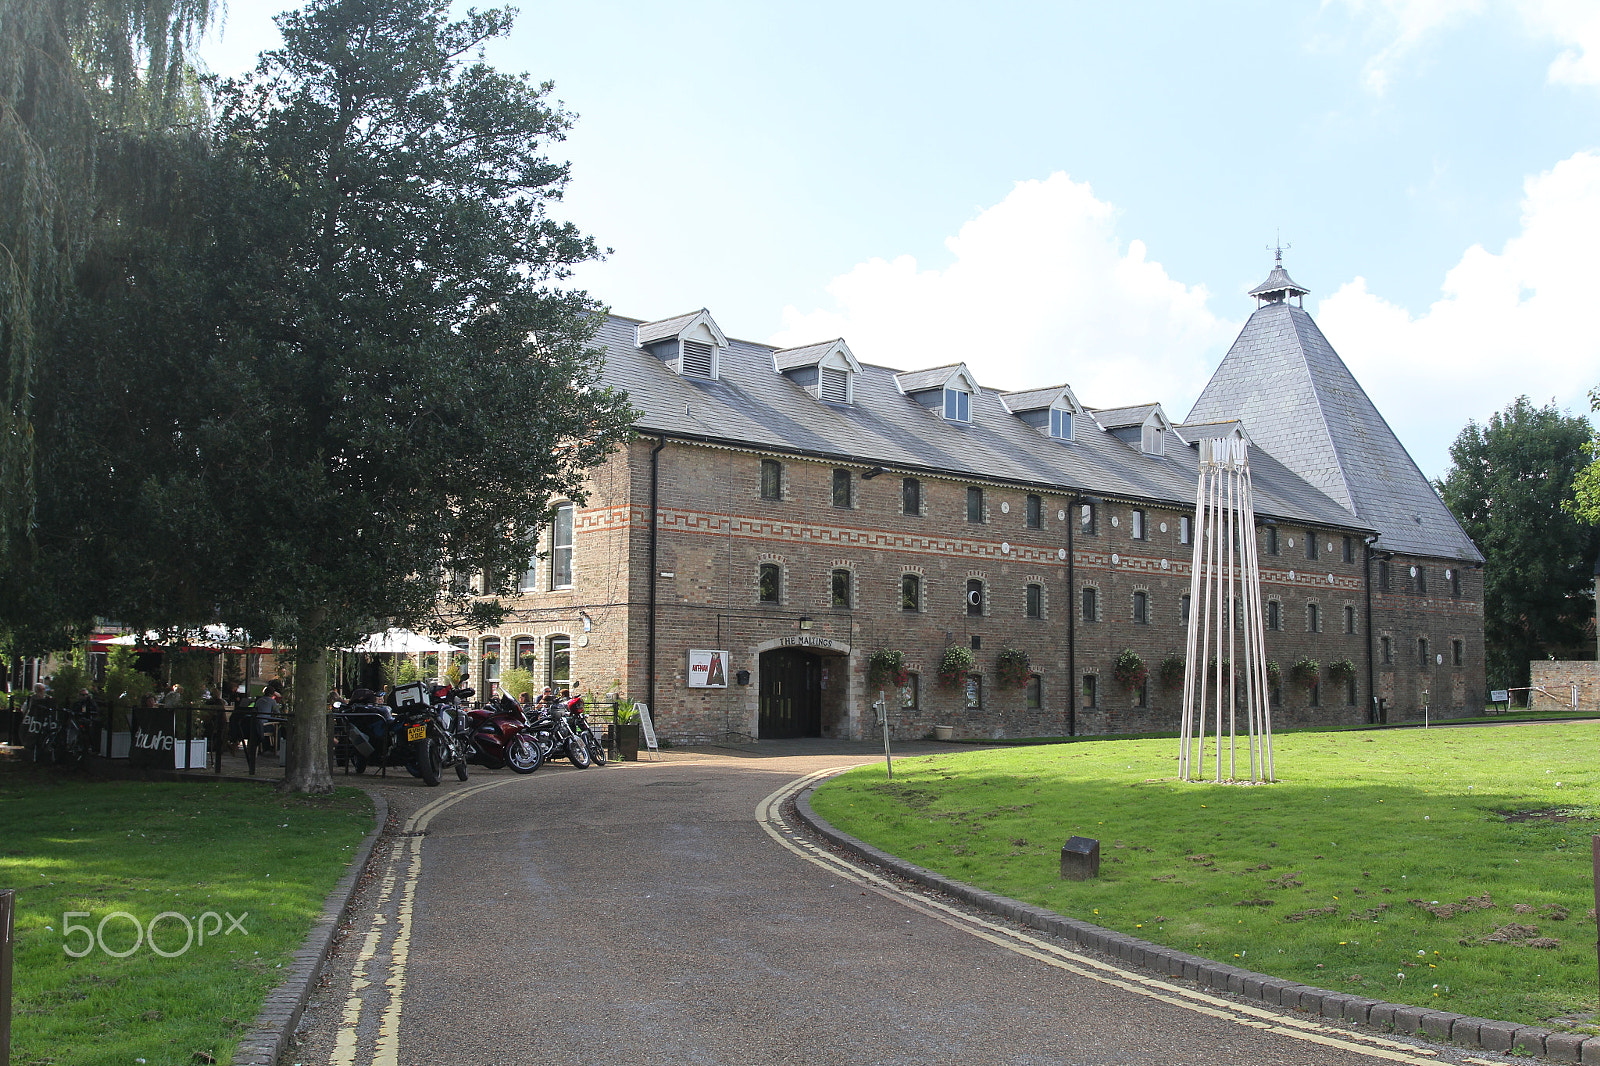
{"type": "Point", "coordinates": [1279, 286]}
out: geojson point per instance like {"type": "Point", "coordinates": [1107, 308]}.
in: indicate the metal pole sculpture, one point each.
{"type": "Point", "coordinates": [1225, 588]}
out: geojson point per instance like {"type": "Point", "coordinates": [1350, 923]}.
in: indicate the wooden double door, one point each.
{"type": "Point", "coordinates": [791, 694]}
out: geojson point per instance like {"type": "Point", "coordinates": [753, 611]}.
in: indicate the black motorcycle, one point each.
{"type": "Point", "coordinates": [554, 734]}
{"type": "Point", "coordinates": [424, 735]}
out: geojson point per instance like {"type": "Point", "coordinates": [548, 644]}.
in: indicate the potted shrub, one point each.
{"type": "Point", "coordinates": [1172, 672]}
{"type": "Point", "coordinates": [1012, 667]}
{"type": "Point", "coordinates": [1129, 669]}
{"type": "Point", "coordinates": [628, 729]}
{"type": "Point", "coordinates": [954, 666]}
{"type": "Point", "coordinates": [887, 669]}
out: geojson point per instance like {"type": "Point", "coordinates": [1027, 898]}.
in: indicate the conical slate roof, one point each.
{"type": "Point", "coordinates": [1300, 402]}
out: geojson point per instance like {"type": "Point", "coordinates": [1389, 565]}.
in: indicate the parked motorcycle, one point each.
{"type": "Point", "coordinates": [581, 728]}
{"type": "Point", "coordinates": [425, 734]}
{"type": "Point", "coordinates": [556, 738]}
{"type": "Point", "coordinates": [500, 735]}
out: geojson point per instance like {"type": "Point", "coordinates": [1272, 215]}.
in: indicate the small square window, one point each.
{"type": "Point", "coordinates": [841, 588]}
{"type": "Point", "coordinates": [1035, 511]}
{"type": "Point", "coordinates": [974, 504]}
{"type": "Point", "coordinates": [843, 486]}
{"type": "Point", "coordinates": [1060, 424]}
{"type": "Point", "coordinates": [910, 496]}
{"type": "Point", "coordinates": [771, 479]}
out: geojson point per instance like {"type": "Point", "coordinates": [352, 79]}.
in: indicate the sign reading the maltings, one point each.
{"type": "Point", "coordinates": [809, 642]}
{"type": "Point", "coordinates": [708, 668]}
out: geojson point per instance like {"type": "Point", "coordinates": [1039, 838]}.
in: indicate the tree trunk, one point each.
{"type": "Point", "coordinates": [308, 769]}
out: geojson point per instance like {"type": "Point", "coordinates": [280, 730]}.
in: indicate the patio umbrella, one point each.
{"type": "Point", "coordinates": [206, 638]}
{"type": "Point", "coordinates": [400, 642]}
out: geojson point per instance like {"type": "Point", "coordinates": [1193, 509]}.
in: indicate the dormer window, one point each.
{"type": "Point", "coordinates": [827, 370]}
{"type": "Point", "coordinates": [698, 359]}
{"type": "Point", "coordinates": [691, 344]}
{"type": "Point", "coordinates": [1154, 440]}
{"type": "Point", "coordinates": [1060, 424]}
{"type": "Point", "coordinates": [957, 405]}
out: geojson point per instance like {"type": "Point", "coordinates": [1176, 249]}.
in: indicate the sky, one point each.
{"type": "Point", "coordinates": [1083, 193]}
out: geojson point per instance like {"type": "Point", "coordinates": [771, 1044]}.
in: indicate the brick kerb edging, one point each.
{"type": "Point", "coordinates": [1278, 992]}
{"type": "Point", "coordinates": [280, 1013]}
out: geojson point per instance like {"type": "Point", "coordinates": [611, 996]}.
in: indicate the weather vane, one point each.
{"type": "Point", "coordinates": [1278, 247]}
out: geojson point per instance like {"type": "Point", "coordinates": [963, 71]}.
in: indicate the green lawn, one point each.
{"type": "Point", "coordinates": [75, 844]}
{"type": "Point", "coordinates": [1342, 875]}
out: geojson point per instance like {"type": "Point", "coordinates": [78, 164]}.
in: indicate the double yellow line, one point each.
{"type": "Point", "coordinates": [1370, 1045]}
{"type": "Point", "coordinates": [386, 1048]}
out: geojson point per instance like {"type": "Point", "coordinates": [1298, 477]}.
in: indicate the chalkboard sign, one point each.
{"type": "Point", "coordinates": [648, 728]}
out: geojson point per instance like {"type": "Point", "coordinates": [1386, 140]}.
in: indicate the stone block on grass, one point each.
{"type": "Point", "coordinates": [1437, 1024]}
{"type": "Point", "coordinates": [1590, 1053]}
{"type": "Point", "coordinates": [1496, 1035]}
{"type": "Point", "coordinates": [1564, 1047]}
{"type": "Point", "coordinates": [1408, 1020]}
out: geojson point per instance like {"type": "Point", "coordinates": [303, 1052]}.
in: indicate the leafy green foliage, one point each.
{"type": "Point", "coordinates": [1341, 670]}
{"type": "Point", "coordinates": [1363, 824]}
{"type": "Point", "coordinates": [1507, 485]}
{"type": "Point", "coordinates": [1304, 672]}
{"type": "Point", "coordinates": [516, 681]}
{"type": "Point", "coordinates": [1172, 669]}
{"type": "Point", "coordinates": [1585, 502]}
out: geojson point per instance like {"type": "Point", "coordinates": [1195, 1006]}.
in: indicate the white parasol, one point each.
{"type": "Point", "coordinates": [400, 642]}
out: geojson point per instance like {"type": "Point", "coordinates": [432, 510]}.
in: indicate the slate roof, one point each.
{"type": "Point", "coordinates": [667, 327]}
{"type": "Point", "coordinates": [1123, 417]}
{"type": "Point", "coordinates": [1033, 399]}
{"type": "Point", "coordinates": [932, 378]}
{"type": "Point", "coordinates": [809, 355]}
{"type": "Point", "coordinates": [1279, 281]}
{"type": "Point", "coordinates": [1300, 402]}
{"type": "Point", "coordinates": [752, 406]}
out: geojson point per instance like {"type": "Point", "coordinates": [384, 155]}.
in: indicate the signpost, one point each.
{"type": "Point", "coordinates": [8, 902]}
{"type": "Point", "coordinates": [883, 716]}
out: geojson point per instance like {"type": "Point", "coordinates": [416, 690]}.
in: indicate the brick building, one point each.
{"type": "Point", "coordinates": [785, 513]}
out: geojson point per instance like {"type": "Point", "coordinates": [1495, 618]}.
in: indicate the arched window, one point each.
{"type": "Point", "coordinates": [771, 583]}
{"type": "Point", "coordinates": [910, 592]}
{"type": "Point", "coordinates": [841, 588]}
{"type": "Point", "coordinates": [490, 657]}
{"type": "Point", "coordinates": [558, 661]}
{"type": "Point", "coordinates": [974, 596]}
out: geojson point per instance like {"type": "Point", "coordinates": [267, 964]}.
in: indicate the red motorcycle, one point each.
{"type": "Point", "coordinates": [499, 734]}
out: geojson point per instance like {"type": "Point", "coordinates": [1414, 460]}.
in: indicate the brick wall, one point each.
{"type": "Point", "coordinates": [1557, 677]}
{"type": "Point", "coordinates": [716, 530]}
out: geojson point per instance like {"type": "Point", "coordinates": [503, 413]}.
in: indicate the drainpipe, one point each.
{"type": "Point", "coordinates": [655, 527]}
{"type": "Point", "coordinates": [1072, 620]}
{"type": "Point", "coordinates": [1372, 685]}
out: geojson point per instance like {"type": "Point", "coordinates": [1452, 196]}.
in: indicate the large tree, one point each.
{"type": "Point", "coordinates": [82, 84]}
{"type": "Point", "coordinates": [1586, 487]}
{"type": "Point", "coordinates": [1507, 485]}
{"type": "Point", "coordinates": [356, 372]}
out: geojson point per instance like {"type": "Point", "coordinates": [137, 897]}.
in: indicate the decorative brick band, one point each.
{"type": "Point", "coordinates": [274, 1026]}
{"type": "Point", "coordinates": [1276, 991]}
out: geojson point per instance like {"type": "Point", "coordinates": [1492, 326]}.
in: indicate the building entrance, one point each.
{"type": "Point", "coordinates": [791, 694]}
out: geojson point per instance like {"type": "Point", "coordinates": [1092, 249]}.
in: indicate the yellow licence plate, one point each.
{"type": "Point", "coordinates": [416, 732]}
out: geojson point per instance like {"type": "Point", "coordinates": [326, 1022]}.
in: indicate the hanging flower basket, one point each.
{"type": "Point", "coordinates": [1304, 672]}
{"type": "Point", "coordinates": [1274, 672]}
{"type": "Point", "coordinates": [886, 667]}
{"type": "Point", "coordinates": [1172, 671]}
{"type": "Point", "coordinates": [1343, 670]}
{"type": "Point", "coordinates": [954, 666]}
{"type": "Point", "coordinates": [1013, 667]}
{"type": "Point", "coordinates": [1130, 670]}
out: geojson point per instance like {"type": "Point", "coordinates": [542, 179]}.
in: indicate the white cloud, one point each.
{"type": "Point", "coordinates": [1508, 323]}
{"type": "Point", "coordinates": [1040, 291]}
{"type": "Point", "coordinates": [1404, 25]}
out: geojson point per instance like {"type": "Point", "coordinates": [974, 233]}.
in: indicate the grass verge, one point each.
{"type": "Point", "coordinates": [128, 851]}
{"type": "Point", "coordinates": [1382, 864]}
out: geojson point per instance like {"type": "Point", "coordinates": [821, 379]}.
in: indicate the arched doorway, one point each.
{"type": "Point", "coordinates": [791, 694]}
